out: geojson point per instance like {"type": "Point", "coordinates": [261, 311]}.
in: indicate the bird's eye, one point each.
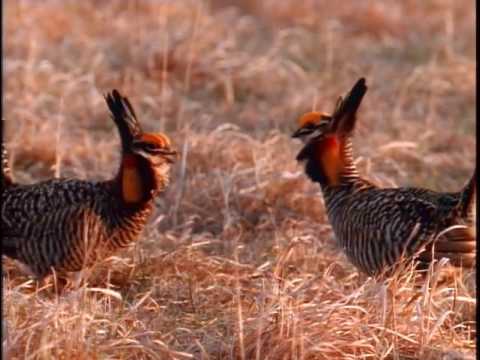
{"type": "Point", "coordinates": [310, 126]}
{"type": "Point", "coordinates": [149, 147]}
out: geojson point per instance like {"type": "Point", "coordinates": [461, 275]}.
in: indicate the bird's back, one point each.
{"type": "Point", "coordinates": [376, 227]}
{"type": "Point", "coordinates": [66, 224]}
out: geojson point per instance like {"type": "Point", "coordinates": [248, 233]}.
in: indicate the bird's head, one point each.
{"type": "Point", "coordinates": [147, 156]}
{"type": "Point", "coordinates": [155, 147]}
{"type": "Point", "coordinates": [325, 137]}
{"type": "Point", "coordinates": [312, 125]}
{"type": "Point", "coordinates": [326, 132]}
{"type": "Point", "coordinates": [157, 150]}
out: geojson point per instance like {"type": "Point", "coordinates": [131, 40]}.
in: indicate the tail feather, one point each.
{"type": "Point", "coordinates": [344, 115]}
{"type": "Point", "coordinates": [468, 199]}
{"type": "Point", "coordinates": [124, 117]}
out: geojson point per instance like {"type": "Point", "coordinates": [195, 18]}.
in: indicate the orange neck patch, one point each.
{"type": "Point", "coordinates": [133, 188]}
{"type": "Point", "coordinates": [328, 153]}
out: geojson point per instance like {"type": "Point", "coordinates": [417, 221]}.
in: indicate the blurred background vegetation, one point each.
{"type": "Point", "coordinates": [240, 225]}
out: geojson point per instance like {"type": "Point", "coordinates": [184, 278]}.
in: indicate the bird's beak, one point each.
{"type": "Point", "coordinates": [298, 133]}
{"type": "Point", "coordinates": [170, 155]}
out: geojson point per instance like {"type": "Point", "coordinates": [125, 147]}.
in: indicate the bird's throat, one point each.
{"type": "Point", "coordinates": [328, 153]}
{"type": "Point", "coordinates": [135, 179]}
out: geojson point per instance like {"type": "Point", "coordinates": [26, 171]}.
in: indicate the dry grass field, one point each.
{"type": "Point", "coordinates": [239, 261]}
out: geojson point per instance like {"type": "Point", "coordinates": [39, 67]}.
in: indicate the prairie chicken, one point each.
{"type": "Point", "coordinates": [377, 227]}
{"type": "Point", "coordinates": [68, 224]}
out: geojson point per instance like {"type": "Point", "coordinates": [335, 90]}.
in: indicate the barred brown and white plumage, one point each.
{"type": "Point", "coordinates": [68, 224]}
{"type": "Point", "coordinates": [375, 226]}
{"type": "Point", "coordinates": [7, 178]}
